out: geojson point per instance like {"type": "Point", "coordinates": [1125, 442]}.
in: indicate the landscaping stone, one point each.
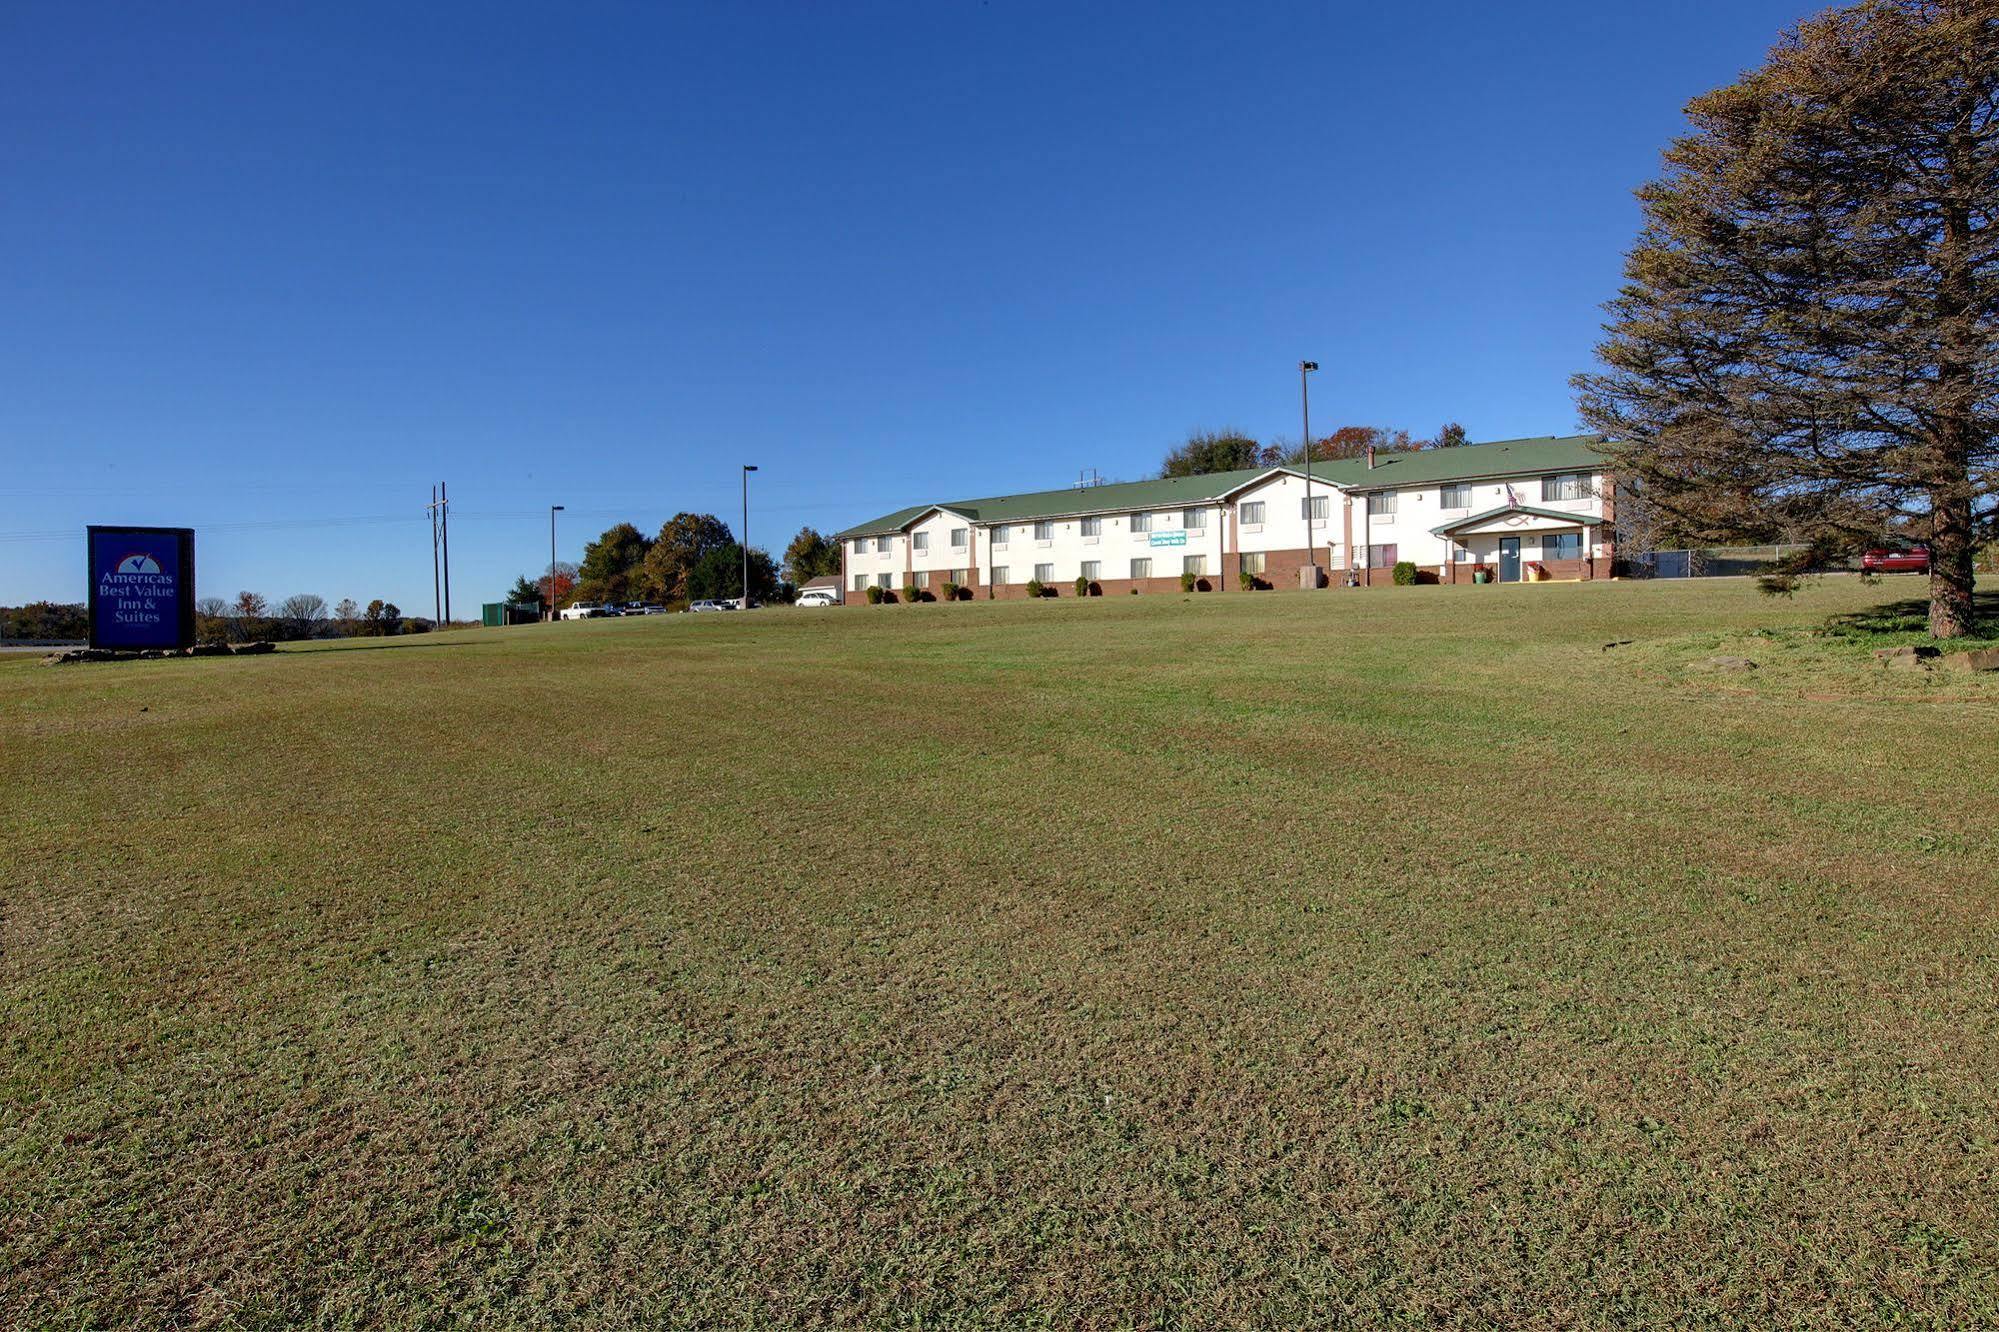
{"type": "Point", "coordinates": [209, 650]}
{"type": "Point", "coordinates": [252, 649]}
{"type": "Point", "coordinates": [1723, 664]}
{"type": "Point", "coordinates": [1978, 659]}
{"type": "Point", "coordinates": [1906, 651]}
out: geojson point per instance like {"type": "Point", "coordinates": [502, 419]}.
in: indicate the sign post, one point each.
{"type": "Point", "coordinates": [141, 587]}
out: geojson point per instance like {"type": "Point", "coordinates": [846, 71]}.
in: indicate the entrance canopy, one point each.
{"type": "Point", "coordinates": [1513, 519]}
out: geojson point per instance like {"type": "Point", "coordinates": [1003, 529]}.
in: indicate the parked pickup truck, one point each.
{"type": "Point", "coordinates": [586, 610]}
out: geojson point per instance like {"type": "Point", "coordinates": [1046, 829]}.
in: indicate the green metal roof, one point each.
{"type": "Point", "coordinates": [1413, 467]}
{"type": "Point", "coordinates": [1561, 515]}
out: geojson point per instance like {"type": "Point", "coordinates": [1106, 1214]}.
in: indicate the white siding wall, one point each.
{"type": "Point", "coordinates": [1113, 548]}
{"type": "Point", "coordinates": [1283, 527]}
{"type": "Point", "coordinates": [1116, 544]}
{"type": "Point", "coordinates": [1418, 510]}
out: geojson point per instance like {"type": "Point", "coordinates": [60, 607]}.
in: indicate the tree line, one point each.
{"type": "Point", "coordinates": [306, 615]}
{"type": "Point", "coordinates": [1230, 450]}
{"type": "Point", "coordinates": [693, 557]}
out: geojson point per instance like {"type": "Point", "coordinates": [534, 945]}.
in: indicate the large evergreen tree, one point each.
{"type": "Point", "coordinates": [1807, 324]}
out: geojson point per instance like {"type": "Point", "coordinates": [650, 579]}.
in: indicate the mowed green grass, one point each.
{"type": "Point", "coordinates": [1404, 957]}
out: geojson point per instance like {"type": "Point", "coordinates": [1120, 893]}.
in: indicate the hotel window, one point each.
{"type": "Point", "coordinates": [999, 575]}
{"type": "Point", "coordinates": [882, 544]}
{"type": "Point", "coordinates": [922, 540]}
{"type": "Point", "coordinates": [1565, 486]}
{"type": "Point", "coordinates": [1044, 531]}
{"type": "Point", "coordinates": [1093, 527]}
{"type": "Point", "coordinates": [1252, 514]}
{"type": "Point", "coordinates": [1253, 563]}
{"type": "Point", "coordinates": [999, 535]}
{"type": "Point", "coordinates": [1454, 497]}
{"type": "Point", "coordinates": [1380, 506]}
{"type": "Point", "coordinates": [884, 581]}
{"type": "Point", "coordinates": [1321, 507]}
{"type": "Point", "coordinates": [1194, 564]}
{"type": "Point", "coordinates": [923, 578]}
{"type": "Point", "coordinates": [1193, 519]}
{"type": "Point", "coordinates": [1141, 522]}
{"type": "Point", "coordinates": [1090, 568]}
{"type": "Point", "coordinates": [1561, 545]}
{"type": "Point", "coordinates": [860, 545]}
{"type": "Point", "coordinates": [860, 582]}
{"type": "Point", "coordinates": [1381, 557]}
{"type": "Point", "coordinates": [957, 538]}
{"type": "Point", "coordinates": [1044, 573]}
{"type": "Point", "coordinates": [962, 577]}
{"type": "Point", "coordinates": [1460, 555]}
{"type": "Point", "coordinates": [1141, 568]}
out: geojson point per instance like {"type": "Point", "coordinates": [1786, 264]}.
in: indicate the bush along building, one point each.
{"type": "Point", "coordinates": [1522, 510]}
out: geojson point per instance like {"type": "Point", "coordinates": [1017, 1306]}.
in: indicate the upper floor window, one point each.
{"type": "Point", "coordinates": [999, 535]}
{"type": "Point", "coordinates": [1193, 519]}
{"type": "Point", "coordinates": [1454, 496]}
{"type": "Point", "coordinates": [921, 540]}
{"type": "Point", "coordinates": [1044, 531]}
{"type": "Point", "coordinates": [1252, 513]}
{"type": "Point", "coordinates": [860, 545]}
{"type": "Point", "coordinates": [1565, 486]}
{"type": "Point", "coordinates": [1141, 522]}
{"type": "Point", "coordinates": [958, 538]}
{"type": "Point", "coordinates": [1382, 504]}
{"type": "Point", "coordinates": [1093, 527]}
{"type": "Point", "coordinates": [1321, 507]}
{"type": "Point", "coordinates": [882, 544]}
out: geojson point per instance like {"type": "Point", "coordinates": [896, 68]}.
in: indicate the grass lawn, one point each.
{"type": "Point", "coordinates": [1398, 957]}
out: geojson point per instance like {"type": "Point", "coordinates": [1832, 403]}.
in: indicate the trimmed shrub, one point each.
{"type": "Point", "coordinates": [874, 596]}
{"type": "Point", "coordinates": [1186, 582]}
{"type": "Point", "coordinates": [1034, 588]}
{"type": "Point", "coordinates": [1405, 573]}
{"type": "Point", "coordinates": [910, 593]}
{"type": "Point", "coordinates": [950, 591]}
{"type": "Point", "coordinates": [1082, 587]}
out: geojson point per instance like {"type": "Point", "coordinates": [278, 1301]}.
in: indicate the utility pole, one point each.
{"type": "Point", "coordinates": [1305, 406]}
{"type": "Point", "coordinates": [436, 605]}
{"type": "Point", "coordinates": [548, 608]}
{"type": "Point", "coordinates": [747, 469]}
{"type": "Point", "coordinates": [444, 526]}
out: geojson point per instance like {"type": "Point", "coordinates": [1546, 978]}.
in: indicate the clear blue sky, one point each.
{"type": "Point", "coordinates": [268, 270]}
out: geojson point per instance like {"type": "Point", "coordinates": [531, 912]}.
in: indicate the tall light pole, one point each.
{"type": "Point", "coordinates": [747, 469]}
{"type": "Point", "coordinates": [549, 609]}
{"type": "Point", "coordinates": [1305, 368]}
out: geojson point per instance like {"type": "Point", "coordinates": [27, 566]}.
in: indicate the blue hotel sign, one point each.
{"type": "Point", "coordinates": [1169, 538]}
{"type": "Point", "coordinates": [141, 587]}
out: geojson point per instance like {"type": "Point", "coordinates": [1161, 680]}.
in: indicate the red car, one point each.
{"type": "Point", "coordinates": [1912, 559]}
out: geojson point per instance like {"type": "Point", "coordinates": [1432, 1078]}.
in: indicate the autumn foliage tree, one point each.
{"type": "Point", "coordinates": [1807, 322]}
{"type": "Point", "coordinates": [680, 546]}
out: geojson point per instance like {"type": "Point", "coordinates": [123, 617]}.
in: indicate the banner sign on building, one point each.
{"type": "Point", "coordinates": [1169, 538]}
{"type": "Point", "coordinates": [141, 587]}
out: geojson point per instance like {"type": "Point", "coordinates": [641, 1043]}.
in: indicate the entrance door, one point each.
{"type": "Point", "coordinates": [1509, 559]}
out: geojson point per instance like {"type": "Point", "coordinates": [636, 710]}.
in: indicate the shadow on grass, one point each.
{"type": "Point", "coordinates": [1904, 619]}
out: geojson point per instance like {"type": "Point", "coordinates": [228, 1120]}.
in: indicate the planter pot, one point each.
{"type": "Point", "coordinates": [1481, 576]}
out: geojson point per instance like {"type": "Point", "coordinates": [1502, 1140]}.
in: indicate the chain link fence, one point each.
{"type": "Point", "coordinates": [1711, 562]}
